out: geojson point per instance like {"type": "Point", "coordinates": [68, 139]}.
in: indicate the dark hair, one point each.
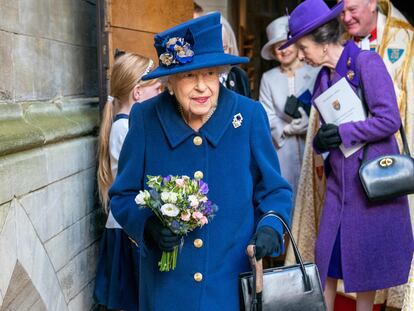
{"type": "Point", "coordinates": [331, 32]}
{"type": "Point", "coordinates": [197, 8]}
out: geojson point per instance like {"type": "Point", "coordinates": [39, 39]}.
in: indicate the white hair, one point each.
{"type": "Point", "coordinates": [232, 42]}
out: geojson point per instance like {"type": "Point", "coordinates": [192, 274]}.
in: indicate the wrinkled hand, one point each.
{"type": "Point", "coordinates": [266, 240]}
{"type": "Point", "coordinates": [161, 236]}
{"type": "Point", "coordinates": [328, 137]}
{"type": "Point", "coordinates": [297, 126]}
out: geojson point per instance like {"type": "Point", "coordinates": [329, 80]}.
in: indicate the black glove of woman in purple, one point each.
{"type": "Point", "coordinates": [327, 137]}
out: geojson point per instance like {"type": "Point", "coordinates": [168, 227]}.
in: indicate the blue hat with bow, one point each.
{"type": "Point", "coordinates": [192, 45]}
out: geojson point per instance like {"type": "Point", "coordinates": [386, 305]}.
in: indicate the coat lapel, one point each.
{"type": "Point", "coordinates": [221, 119]}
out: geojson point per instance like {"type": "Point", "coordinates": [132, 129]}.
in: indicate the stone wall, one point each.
{"type": "Point", "coordinates": [49, 219]}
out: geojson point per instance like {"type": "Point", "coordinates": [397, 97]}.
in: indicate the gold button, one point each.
{"type": "Point", "coordinates": [197, 140]}
{"type": "Point", "coordinates": [198, 277]}
{"type": "Point", "coordinates": [198, 243]}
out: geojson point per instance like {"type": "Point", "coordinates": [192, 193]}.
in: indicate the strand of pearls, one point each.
{"type": "Point", "coordinates": [204, 119]}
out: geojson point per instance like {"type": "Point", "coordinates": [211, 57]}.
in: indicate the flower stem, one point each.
{"type": "Point", "coordinates": [168, 260]}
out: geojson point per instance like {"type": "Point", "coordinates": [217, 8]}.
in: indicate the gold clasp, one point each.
{"type": "Point", "coordinates": [386, 162]}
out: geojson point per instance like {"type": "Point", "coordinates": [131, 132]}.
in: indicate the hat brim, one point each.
{"type": "Point", "coordinates": [266, 52]}
{"type": "Point", "coordinates": [198, 62]}
{"type": "Point", "coordinates": [335, 11]}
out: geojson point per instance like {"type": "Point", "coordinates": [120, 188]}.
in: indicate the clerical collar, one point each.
{"type": "Point", "coordinates": [372, 36]}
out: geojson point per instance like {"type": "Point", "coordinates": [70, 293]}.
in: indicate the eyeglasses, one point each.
{"type": "Point", "coordinates": [210, 75]}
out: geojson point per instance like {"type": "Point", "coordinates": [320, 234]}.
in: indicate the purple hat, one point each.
{"type": "Point", "coordinates": [308, 16]}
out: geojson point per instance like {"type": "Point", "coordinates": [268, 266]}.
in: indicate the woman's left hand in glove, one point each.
{"type": "Point", "coordinates": [297, 126]}
{"type": "Point", "coordinates": [266, 240]}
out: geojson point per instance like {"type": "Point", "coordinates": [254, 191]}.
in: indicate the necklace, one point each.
{"type": "Point", "coordinates": [204, 119]}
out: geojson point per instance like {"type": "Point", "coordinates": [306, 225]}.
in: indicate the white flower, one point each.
{"type": "Point", "coordinates": [193, 200]}
{"type": "Point", "coordinates": [173, 197]}
{"type": "Point", "coordinates": [169, 197]}
{"type": "Point", "coordinates": [169, 210]}
{"type": "Point", "coordinates": [141, 197]}
{"type": "Point", "coordinates": [165, 196]}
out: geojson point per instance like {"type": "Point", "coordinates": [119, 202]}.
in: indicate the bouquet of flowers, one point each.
{"type": "Point", "coordinates": [180, 203]}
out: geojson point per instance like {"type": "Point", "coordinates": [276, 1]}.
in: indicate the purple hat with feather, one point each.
{"type": "Point", "coordinates": [308, 16]}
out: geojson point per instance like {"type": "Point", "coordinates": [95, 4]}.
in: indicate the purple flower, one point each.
{"type": "Point", "coordinates": [154, 195]}
{"type": "Point", "coordinates": [167, 178]}
{"type": "Point", "coordinates": [203, 187]}
{"type": "Point", "coordinates": [175, 225]}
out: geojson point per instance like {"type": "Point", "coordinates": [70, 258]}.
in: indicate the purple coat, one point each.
{"type": "Point", "coordinates": [376, 238]}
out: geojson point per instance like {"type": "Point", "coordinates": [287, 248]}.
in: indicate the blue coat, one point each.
{"type": "Point", "coordinates": [376, 239]}
{"type": "Point", "coordinates": [242, 170]}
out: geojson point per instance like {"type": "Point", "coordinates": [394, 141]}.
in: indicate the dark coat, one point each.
{"type": "Point", "coordinates": [238, 81]}
{"type": "Point", "coordinates": [241, 168]}
{"type": "Point", "coordinates": [376, 238]}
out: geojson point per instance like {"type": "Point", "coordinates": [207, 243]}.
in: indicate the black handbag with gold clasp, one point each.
{"type": "Point", "coordinates": [288, 288]}
{"type": "Point", "coordinates": [388, 176]}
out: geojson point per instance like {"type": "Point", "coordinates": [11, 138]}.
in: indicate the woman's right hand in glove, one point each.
{"type": "Point", "coordinates": [155, 232]}
{"type": "Point", "coordinates": [327, 137]}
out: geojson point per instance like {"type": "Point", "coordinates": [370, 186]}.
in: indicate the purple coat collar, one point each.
{"type": "Point", "coordinates": [347, 64]}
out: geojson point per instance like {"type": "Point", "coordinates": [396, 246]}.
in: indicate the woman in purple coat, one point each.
{"type": "Point", "coordinates": [367, 245]}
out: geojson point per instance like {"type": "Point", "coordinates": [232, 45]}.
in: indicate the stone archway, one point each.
{"type": "Point", "coordinates": [21, 294]}
{"type": "Point", "coordinates": [27, 279]}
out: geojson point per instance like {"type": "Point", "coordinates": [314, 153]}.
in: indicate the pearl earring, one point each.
{"type": "Point", "coordinates": [171, 92]}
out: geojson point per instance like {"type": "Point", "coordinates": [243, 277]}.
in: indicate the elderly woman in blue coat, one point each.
{"type": "Point", "coordinates": [200, 126]}
{"type": "Point", "coordinates": [368, 245]}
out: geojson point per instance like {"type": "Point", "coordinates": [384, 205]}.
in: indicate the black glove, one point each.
{"type": "Point", "coordinates": [161, 236]}
{"type": "Point", "coordinates": [266, 240]}
{"type": "Point", "coordinates": [327, 137]}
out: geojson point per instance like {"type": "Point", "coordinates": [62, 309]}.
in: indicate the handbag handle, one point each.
{"type": "Point", "coordinates": [257, 266]}
{"type": "Point", "coordinates": [299, 261]}
{"type": "Point", "coordinates": [361, 96]}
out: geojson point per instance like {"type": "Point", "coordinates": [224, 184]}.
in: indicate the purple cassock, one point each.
{"type": "Point", "coordinates": [376, 240]}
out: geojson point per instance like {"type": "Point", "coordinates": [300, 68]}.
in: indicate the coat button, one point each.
{"type": "Point", "coordinates": [198, 277]}
{"type": "Point", "coordinates": [198, 243]}
{"type": "Point", "coordinates": [197, 140]}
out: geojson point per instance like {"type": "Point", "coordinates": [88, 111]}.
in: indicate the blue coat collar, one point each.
{"type": "Point", "coordinates": [176, 130]}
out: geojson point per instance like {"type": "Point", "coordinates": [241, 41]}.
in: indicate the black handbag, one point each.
{"type": "Point", "coordinates": [289, 288]}
{"type": "Point", "coordinates": [388, 176]}
{"type": "Point", "coordinates": [293, 103]}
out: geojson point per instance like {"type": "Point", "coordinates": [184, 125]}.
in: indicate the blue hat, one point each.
{"type": "Point", "coordinates": [192, 45]}
{"type": "Point", "coordinates": [308, 16]}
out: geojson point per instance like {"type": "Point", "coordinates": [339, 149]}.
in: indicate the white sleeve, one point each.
{"type": "Point", "coordinates": [276, 123]}
{"type": "Point", "coordinates": [119, 131]}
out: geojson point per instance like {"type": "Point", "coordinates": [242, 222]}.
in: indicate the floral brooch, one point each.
{"type": "Point", "coordinates": [178, 50]}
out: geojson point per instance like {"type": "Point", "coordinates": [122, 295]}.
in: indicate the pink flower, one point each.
{"type": "Point", "coordinates": [185, 217]}
{"type": "Point", "coordinates": [198, 215]}
{"type": "Point", "coordinates": [179, 182]}
{"type": "Point", "coordinates": [204, 220]}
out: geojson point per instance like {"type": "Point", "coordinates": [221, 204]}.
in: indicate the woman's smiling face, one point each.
{"type": "Point", "coordinates": [286, 56]}
{"type": "Point", "coordinates": [196, 91]}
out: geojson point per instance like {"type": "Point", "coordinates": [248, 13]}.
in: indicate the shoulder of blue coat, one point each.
{"type": "Point", "coordinates": [247, 104]}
